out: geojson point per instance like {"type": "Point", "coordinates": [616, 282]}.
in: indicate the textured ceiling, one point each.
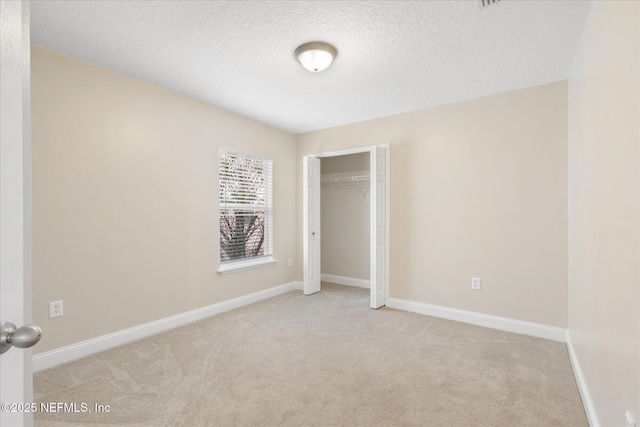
{"type": "Point", "coordinates": [393, 56]}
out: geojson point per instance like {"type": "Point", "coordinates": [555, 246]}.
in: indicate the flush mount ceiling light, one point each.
{"type": "Point", "coordinates": [316, 56]}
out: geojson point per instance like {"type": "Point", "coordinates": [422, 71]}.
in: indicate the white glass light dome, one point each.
{"type": "Point", "coordinates": [315, 56]}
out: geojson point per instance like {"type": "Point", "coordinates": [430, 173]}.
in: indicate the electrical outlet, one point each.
{"type": "Point", "coordinates": [476, 283]}
{"type": "Point", "coordinates": [629, 419]}
{"type": "Point", "coordinates": [290, 262]}
{"type": "Point", "coordinates": [55, 309]}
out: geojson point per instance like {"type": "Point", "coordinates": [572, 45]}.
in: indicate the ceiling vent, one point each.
{"type": "Point", "coordinates": [486, 3]}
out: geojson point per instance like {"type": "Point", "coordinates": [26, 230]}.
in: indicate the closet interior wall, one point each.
{"type": "Point", "coordinates": [345, 200]}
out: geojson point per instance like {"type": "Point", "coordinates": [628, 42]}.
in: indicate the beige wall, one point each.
{"type": "Point", "coordinates": [345, 218]}
{"type": "Point", "coordinates": [125, 203]}
{"type": "Point", "coordinates": [478, 189]}
{"type": "Point", "coordinates": [604, 294]}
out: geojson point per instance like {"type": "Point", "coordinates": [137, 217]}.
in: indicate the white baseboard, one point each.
{"type": "Point", "coordinates": [587, 401]}
{"type": "Point", "coordinates": [347, 281]}
{"type": "Point", "coordinates": [72, 352]}
{"type": "Point", "coordinates": [480, 319]}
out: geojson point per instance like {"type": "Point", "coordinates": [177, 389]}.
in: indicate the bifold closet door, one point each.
{"type": "Point", "coordinates": [378, 222]}
{"type": "Point", "coordinates": [311, 225]}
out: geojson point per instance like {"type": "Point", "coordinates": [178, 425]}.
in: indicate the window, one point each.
{"type": "Point", "coordinates": [246, 211]}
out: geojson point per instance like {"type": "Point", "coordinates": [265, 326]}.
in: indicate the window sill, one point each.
{"type": "Point", "coordinates": [235, 267]}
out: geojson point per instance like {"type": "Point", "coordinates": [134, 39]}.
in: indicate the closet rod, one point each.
{"type": "Point", "coordinates": [347, 178]}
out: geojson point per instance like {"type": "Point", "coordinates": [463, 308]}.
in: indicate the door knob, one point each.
{"type": "Point", "coordinates": [23, 337]}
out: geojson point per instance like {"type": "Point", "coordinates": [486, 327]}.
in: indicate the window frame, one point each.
{"type": "Point", "coordinates": [242, 264]}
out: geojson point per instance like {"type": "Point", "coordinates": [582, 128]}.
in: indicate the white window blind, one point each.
{"type": "Point", "coordinates": [246, 208]}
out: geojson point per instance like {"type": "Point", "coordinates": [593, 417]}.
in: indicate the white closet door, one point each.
{"type": "Point", "coordinates": [311, 226]}
{"type": "Point", "coordinates": [378, 227]}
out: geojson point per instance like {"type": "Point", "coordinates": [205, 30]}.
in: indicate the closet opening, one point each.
{"type": "Point", "coordinates": [345, 220]}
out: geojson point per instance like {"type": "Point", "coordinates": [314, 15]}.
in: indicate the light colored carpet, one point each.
{"type": "Point", "coordinates": [321, 360]}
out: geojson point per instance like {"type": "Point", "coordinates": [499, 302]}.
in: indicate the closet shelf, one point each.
{"type": "Point", "coordinates": [346, 182]}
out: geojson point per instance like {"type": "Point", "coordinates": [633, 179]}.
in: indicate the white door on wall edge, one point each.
{"type": "Point", "coordinates": [311, 225]}
{"type": "Point", "coordinates": [378, 221]}
{"type": "Point", "coordinates": [15, 219]}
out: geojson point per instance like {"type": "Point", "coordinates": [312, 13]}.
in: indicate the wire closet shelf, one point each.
{"type": "Point", "coordinates": [360, 182]}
